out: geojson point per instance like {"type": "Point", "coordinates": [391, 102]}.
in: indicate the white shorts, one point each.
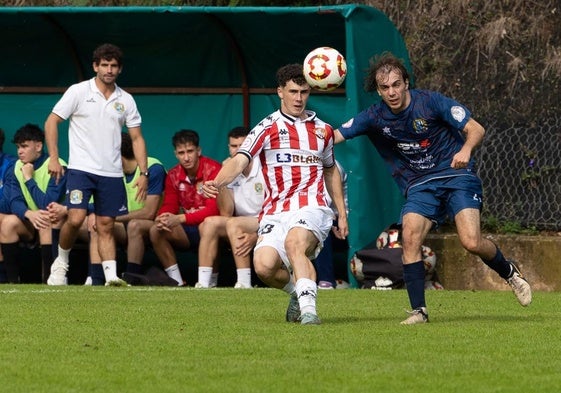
{"type": "Point", "coordinates": [274, 228]}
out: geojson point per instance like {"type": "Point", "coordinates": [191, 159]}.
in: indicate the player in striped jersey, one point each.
{"type": "Point", "coordinates": [295, 149]}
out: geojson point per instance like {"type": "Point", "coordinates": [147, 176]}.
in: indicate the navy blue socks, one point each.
{"type": "Point", "coordinates": [499, 264]}
{"type": "Point", "coordinates": [414, 277]}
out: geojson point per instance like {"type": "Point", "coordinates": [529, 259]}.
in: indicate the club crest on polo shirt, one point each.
{"type": "Point", "coordinates": [258, 187]}
{"type": "Point", "coordinates": [76, 197]}
{"type": "Point", "coordinates": [120, 108]}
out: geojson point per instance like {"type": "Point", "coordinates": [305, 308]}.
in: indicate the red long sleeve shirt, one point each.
{"type": "Point", "coordinates": [180, 195]}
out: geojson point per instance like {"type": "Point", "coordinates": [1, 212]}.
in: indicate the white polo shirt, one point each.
{"type": "Point", "coordinates": [95, 126]}
{"type": "Point", "coordinates": [249, 192]}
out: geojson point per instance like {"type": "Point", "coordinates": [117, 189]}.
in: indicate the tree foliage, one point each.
{"type": "Point", "coordinates": [502, 58]}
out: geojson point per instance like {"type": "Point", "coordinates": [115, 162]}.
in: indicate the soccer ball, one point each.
{"type": "Point", "coordinates": [429, 259]}
{"type": "Point", "coordinates": [393, 239]}
{"type": "Point", "coordinates": [382, 240]}
{"type": "Point", "coordinates": [325, 68]}
{"type": "Point", "coordinates": [356, 268]}
{"type": "Point", "coordinates": [342, 284]}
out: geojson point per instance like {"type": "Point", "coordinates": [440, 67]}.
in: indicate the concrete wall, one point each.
{"type": "Point", "coordinates": [538, 257]}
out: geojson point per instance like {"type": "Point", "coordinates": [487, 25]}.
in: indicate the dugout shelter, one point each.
{"type": "Point", "coordinates": [207, 69]}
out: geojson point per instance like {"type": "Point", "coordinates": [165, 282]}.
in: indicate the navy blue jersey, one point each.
{"type": "Point", "coordinates": [418, 143]}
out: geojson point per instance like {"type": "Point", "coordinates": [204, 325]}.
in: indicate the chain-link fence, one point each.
{"type": "Point", "coordinates": [520, 167]}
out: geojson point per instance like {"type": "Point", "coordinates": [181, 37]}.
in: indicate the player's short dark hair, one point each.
{"type": "Point", "coordinates": [108, 52]}
{"type": "Point", "coordinates": [126, 146]}
{"type": "Point", "coordinates": [182, 137]}
{"type": "Point", "coordinates": [291, 72]}
{"type": "Point", "coordinates": [385, 62]}
{"type": "Point", "coordinates": [238, 132]}
{"type": "Point", "coordinates": [29, 132]}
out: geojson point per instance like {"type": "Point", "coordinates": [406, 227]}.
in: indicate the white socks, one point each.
{"type": "Point", "coordinates": [110, 270]}
{"type": "Point", "coordinates": [289, 288]}
{"type": "Point", "coordinates": [64, 255]}
{"type": "Point", "coordinates": [173, 272]}
{"type": "Point", "coordinates": [244, 277]}
{"type": "Point", "coordinates": [205, 273]}
{"type": "Point", "coordinates": [307, 292]}
{"type": "Point", "coordinates": [213, 283]}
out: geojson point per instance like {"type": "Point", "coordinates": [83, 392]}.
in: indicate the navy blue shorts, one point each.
{"type": "Point", "coordinates": [446, 197]}
{"type": "Point", "coordinates": [109, 194]}
{"type": "Point", "coordinates": [192, 232]}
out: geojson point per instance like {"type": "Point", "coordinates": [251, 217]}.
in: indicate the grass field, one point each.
{"type": "Point", "coordinates": [140, 339]}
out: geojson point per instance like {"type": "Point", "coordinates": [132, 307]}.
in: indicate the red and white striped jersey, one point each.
{"type": "Point", "coordinates": [293, 153]}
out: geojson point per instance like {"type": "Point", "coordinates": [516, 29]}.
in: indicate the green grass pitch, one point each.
{"type": "Point", "coordinates": [148, 339]}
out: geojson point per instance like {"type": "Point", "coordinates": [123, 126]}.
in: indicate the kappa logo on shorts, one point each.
{"type": "Point", "coordinates": [76, 197]}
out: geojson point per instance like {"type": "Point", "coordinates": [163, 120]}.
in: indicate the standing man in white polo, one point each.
{"type": "Point", "coordinates": [97, 109]}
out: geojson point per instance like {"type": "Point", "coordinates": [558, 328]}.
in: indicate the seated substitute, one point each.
{"type": "Point", "coordinates": [28, 190]}
{"type": "Point", "coordinates": [239, 204]}
{"type": "Point", "coordinates": [184, 207]}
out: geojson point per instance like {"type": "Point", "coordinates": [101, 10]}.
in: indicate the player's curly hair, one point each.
{"type": "Point", "coordinates": [291, 72]}
{"type": "Point", "coordinates": [383, 63]}
{"type": "Point", "coordinates": [108, 52]}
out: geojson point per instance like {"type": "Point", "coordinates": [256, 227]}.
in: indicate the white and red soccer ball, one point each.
{"type": "Point", "coordinates": [325, 68]}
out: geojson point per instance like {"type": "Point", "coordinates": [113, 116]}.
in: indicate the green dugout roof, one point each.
{"type": "Point", "coordinates": [207, 69]}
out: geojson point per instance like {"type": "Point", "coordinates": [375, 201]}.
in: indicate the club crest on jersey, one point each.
{"type": "Point", "coordinates": [320, 132]}
{"type": "Point", "coordinates": [258, 187]}
{"type": "Point", "coordinates": [199, 187]}
{"type": "Point", "coordinates": [420, 126]}
{"type": "Point", "coordinates": [458, 113]}
{"type": "Point", "coordinates": [76, 197]}
{"type": "Point", "coordinates": [120, 108]}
